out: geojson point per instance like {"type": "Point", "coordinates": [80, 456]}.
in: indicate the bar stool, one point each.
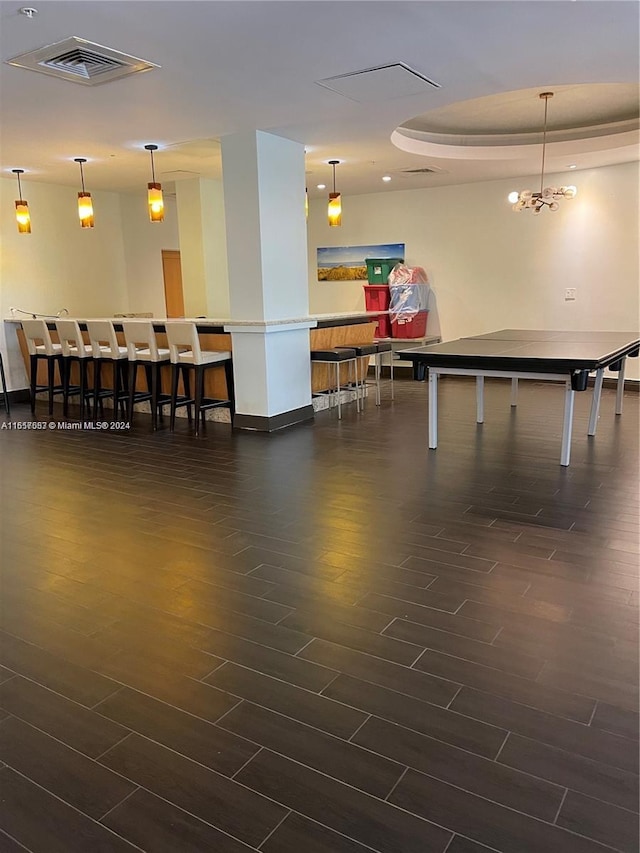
{"type": "Point", "coordinates": [185, 352]}
{"type": "Point", "coordinates": [74, 349]}
{"type": "Point", "coordinates": [142, 349]}
{"type": "Point", "coordinates": [41, 348]}
{"type": "Point", "coordinates": [384, 347]}
{"type": "Point", "coordinates": [105, 347]}
{"type": "Point", "coordinates": [5, 393]}
{"type": "Point", "coordinates": [339, 356]}
{"type": "Point", "coordinates": [365, 351]}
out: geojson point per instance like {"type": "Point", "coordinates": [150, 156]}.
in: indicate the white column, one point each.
{"type": "Point", "coordinates": [268, 279]}
{"type": "Point", "coordinates": [203, 247]}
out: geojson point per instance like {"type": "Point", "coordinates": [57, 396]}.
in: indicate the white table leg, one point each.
{"type": "Point", "coordinates": [567, 425]}
{"type": "Point", "coordinates": [595, 402]}
{"type": "Point", "coordinates": [514, 391]}
{"type": "Point", "coordinates": [620, 389]}
{"type": "Point", "coordinates": [391, 373]}
{"type": "Point", "coordinates": [433, 408]}
{"type": "Point", "coordinates": [479, 399]}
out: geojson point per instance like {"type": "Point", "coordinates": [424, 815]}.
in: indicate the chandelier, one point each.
{"type": "Point", "coordinates": [548, 196]}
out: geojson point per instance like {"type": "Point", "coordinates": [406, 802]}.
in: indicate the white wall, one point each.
{"type": "Point", "coordinates": [491, 268]}
{"type": "Point", "coordinates": [143, 245]}
{"type": "Point", "coordinates": [60, 264]}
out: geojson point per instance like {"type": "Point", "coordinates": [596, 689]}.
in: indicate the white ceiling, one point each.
{"type": "Point", "coordinates": [247, 64]}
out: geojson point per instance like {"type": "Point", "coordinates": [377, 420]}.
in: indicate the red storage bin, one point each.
{"type": "Point", "coordinates": [383, 329]}
{"type": "Point", "coordinates": [413, 327]}
{"type": "Point", "coordinates": [376, 297]}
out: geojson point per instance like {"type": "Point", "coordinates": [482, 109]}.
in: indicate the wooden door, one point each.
{"type": "Point", "coordinates": [172, 273]}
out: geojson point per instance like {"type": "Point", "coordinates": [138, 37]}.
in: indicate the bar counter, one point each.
{"type": "Point", "coordinates": [325, 331]}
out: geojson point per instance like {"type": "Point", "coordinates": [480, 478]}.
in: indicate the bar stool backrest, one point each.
{"type": "Point", "coordinates": [104, 342]}
{"type": "Point", "coordinates": [181, 335]}
{"type": "Point", "coordinates": [139, 335]}
{"type": "Point", "coordinates": [71, 339]}
{"type": "Point", "coordinates": [37, 334]}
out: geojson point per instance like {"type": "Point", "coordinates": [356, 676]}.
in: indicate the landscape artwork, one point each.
{"type": "Point", "coordinates": [348, 263]}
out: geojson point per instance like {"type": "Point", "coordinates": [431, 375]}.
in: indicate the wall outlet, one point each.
{"type": "Point", "coordinates": [570, 294]}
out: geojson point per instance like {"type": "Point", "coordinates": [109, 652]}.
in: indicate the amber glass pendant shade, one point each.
{"type": "Point", "coordinates": [334, 211]}
{"type": "Point", "coordinates": [85, 204]}
{"type": "Point", "coordinates": [155, 199]}
{"type": "Point", "coordinates": [23, 217]}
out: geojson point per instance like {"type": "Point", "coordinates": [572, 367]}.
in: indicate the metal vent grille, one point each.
{"type": "Point", "coordinates": [424, 171]}
{"type": "Point", "coordinates": [84, 63]}
{"type": "Point", "coordinates": [81, 61]}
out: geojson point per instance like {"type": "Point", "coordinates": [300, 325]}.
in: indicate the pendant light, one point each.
{"type": "Point", "coordinates": [548, 196]}
{"type": "Point", "coordinates": [154, 194]}
{"type": "Point", "coordinates": [23, 217]}
{"type": "Point", "coordinates": [334, 211]}
{"type": "Point", "coordinates": [85, 205]}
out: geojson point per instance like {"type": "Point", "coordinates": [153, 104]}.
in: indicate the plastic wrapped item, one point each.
{"type": "Point", "coordinates": [409, 292]}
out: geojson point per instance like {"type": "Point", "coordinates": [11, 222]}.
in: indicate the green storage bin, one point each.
{"type": "Point", "coordinates": [378, 269]}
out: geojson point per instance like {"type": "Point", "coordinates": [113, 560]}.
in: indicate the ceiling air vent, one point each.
{"type": "Point", "coordinates": [426, 170]}
{"type": "Point", "coordinates": [81, 61]}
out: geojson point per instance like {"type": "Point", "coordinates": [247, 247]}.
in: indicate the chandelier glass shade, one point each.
{"type": "Point", "coordinates": [546, 196]}
{"type": "Point", "coordinates": [155, 198]}
{"type": "Point", "coordinates": [23, 217]}
{"type": "Point", "coordinates": [85, 205]}
{"type": "Point", "coordinates": [334, 210]}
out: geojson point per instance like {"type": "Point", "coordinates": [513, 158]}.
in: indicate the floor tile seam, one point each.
{"type": "Point", "coordinates": [248, 761]}
{"type": "Point", "coordinates": [62, 695]}
{"type": "Point", "coordinates": [452, 633]}
{"type": "Point", "coordinates": [504, 672]}
{"type": "Point", "coordinates": [357, 747]}
{"type": "Point", "coordinates": [191, 814]}
{"type": "Point", "coordinates": [545, 742]}
{"type": "Point", "coordinates": [118, 804]}
{"type": "Point", "coordinates": [280, 679]}
{"type": "Point", "coordinates": [77, 811]}
{"type": "Point", "coordinates": [478, 572]}
{"type": "Point", "coordinates": [19, 844]}
{"type": "Point", "coordinates": [359, 791]}
{"type": "Point", "coordinates": [593, 699]}
{"type": "Point", "coordinates": [404, 667]}
{"type": "Point", "coordinates": [90, 758]}
{"type": "Point", "coordinates": [275, 828]}
{"type": "Point", "coordinates": [572, 788]}
{"type": "Point", "coordinates": [332, 829]}
{"type": "Point", "coordinates": [396, 783]}
{"type": "Point", "coordinates": [502, 746]}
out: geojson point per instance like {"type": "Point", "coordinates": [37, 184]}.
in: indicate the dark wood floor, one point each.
{"type": "Point", "coordinates": [328, 640]}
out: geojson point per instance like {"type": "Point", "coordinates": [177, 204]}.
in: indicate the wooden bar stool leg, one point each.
{"type": "Point", "coordinates": [174, 395]}
{"type": "Point", "coordinates": [97, 376]}
{"type": "Point", "coordinates": [199, 377]}
{"type": "Point", "coordinates": [65, 369]}
{"type": "Point", "coordinates": [155, 394]}
{"type": "Point", "coordinates": [133, 374]}
{"type": "Point", "coordinates": [82, 367]}
{"type": "Point", "coordinates": [33, 382]}
{"type": "Point", "coordinates": [186, 381]}
{"type": "Point", "coordinates": [51, 374]}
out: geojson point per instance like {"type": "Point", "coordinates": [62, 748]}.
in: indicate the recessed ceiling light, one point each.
{"type": "Point", "coordinates": [386, 177]}
{"type": "Point", "coordinates": [322, 186]}
{"type": "Point", "coordinates": [572, 166]}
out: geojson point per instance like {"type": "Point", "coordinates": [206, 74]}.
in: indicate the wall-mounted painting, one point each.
{"type": "Point", "coordinates": [348, 263]}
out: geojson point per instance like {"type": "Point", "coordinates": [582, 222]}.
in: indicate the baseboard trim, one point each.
{"type": "Point", "coordinates": [262, 423]}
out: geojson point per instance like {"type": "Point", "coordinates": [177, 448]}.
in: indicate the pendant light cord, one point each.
{"type": "Point", "coordinates": [544, 142]}
{"type": "Point", "coordinates": [82, 177]}
{"type": "Point", "coordinates": [334, 176]}
{"type": "Point", "coordinates": [153, 171]}
{"type": "Point", "coordinates": [19, 187]}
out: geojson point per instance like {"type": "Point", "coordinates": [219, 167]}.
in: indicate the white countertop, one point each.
{"type": "Point", "coordinates": [214, 321]}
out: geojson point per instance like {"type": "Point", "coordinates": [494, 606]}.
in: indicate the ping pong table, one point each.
{"type": "Point", "coordinates": [558, 356]}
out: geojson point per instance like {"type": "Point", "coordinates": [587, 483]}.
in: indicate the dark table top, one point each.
{"type": "Point", "coordinates": [530, 351]}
